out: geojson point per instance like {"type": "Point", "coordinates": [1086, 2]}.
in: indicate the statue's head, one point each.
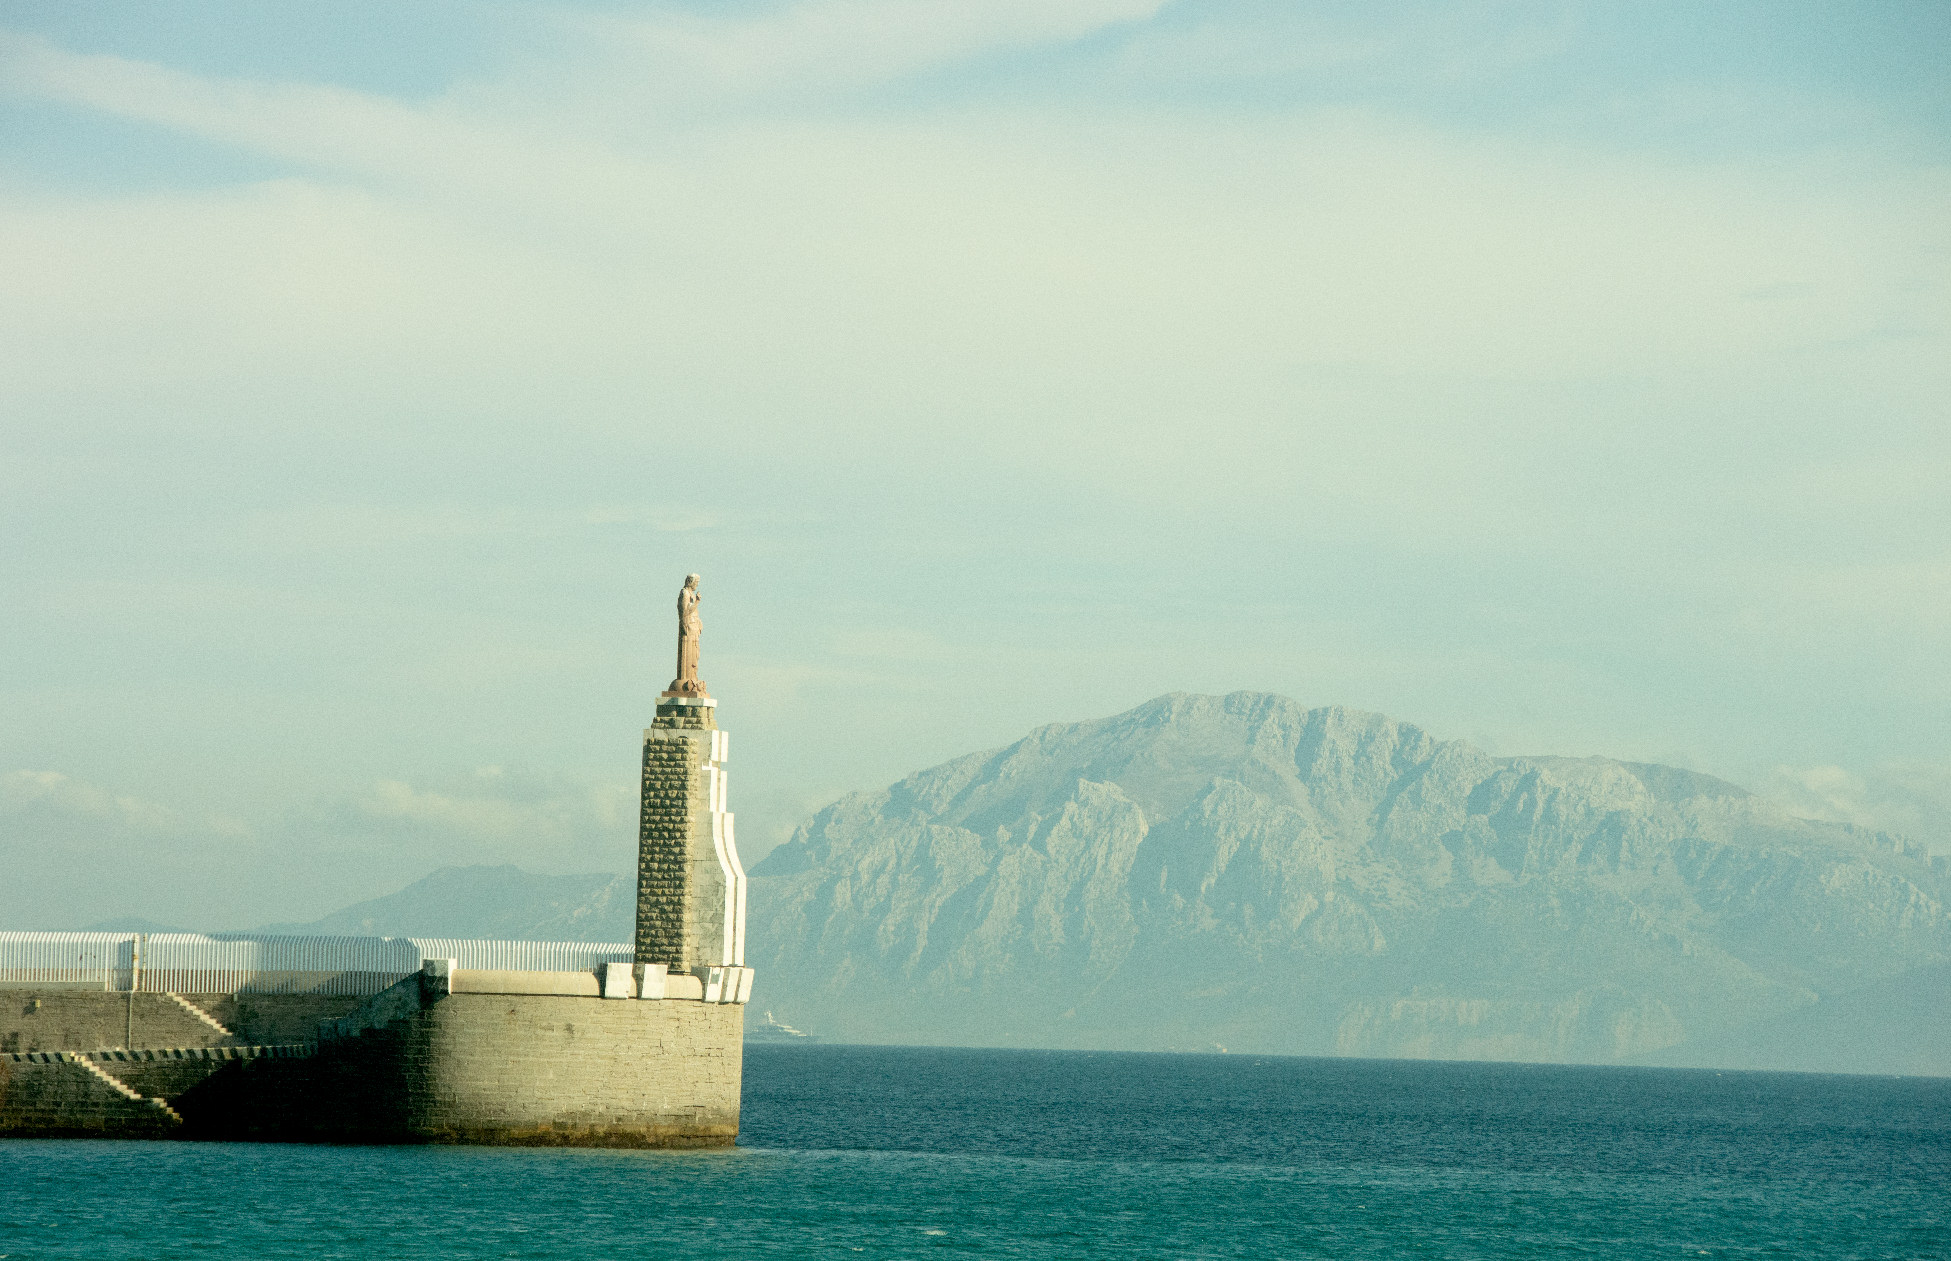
{"type": "Point", "coordinates": [690, 580]}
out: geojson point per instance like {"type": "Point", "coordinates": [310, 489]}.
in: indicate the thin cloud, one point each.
{"type": "Point", "coordinates": [834, 45]}
{"type": "Point", "coordinates": [49, 803]}
{"type": "Point", "coordinates": [328, 129]}
{"type": "Point", "coordinates": [75, 851]}
{"type": "Point", "coordinates": [1911, 798]}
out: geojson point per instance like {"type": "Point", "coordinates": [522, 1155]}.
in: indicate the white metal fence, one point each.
{"type": "Point", "coordinates": [193, 963]}
{"type": "Point", "coordinates": [523, 956]}
{"type": "Point", "coordinates": [65, 958]}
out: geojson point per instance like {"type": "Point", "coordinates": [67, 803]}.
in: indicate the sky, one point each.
{"type": "Point", "coordinates": [1571, 378]}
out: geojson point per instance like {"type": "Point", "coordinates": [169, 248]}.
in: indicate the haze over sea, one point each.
{"type": "Point", "coordinates": [896, 1152]}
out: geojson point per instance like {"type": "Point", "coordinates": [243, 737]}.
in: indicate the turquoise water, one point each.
{"type": "Point", "coordinates": [882, 1152]}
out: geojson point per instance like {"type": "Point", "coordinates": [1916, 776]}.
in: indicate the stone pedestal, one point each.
{"type": "Point", "coordinates": [690, 886]}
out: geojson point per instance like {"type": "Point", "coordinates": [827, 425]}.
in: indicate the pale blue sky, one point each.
{"type": "Point", "coordinates": [1567, 377]}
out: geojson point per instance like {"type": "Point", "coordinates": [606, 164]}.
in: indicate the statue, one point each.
{"type": "Point", "coordinates": [689, 627]}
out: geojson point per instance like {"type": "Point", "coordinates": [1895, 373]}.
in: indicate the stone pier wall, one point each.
{"type": "Point", "coordinates": [550, 1070]}
{"type": "Point", "coordinates": [498, 1069]}
{"type": "Point", "coordinates": [60, 1019]}
{"type": "Point", "coordinates": [61, 1098]}
{"type": "Point", "coordinates": [426, 1062]}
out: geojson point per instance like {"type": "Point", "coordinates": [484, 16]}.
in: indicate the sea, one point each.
{"type": "Point", "coordinates": [932, 1152]}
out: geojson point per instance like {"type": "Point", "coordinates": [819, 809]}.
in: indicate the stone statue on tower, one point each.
{"type": "Point", "coordinates": [689, 627]}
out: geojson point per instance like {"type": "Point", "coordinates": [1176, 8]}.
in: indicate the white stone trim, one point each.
{"type": "Point", "coordinates": [508, 981]}
{"type": "Point", "coordinates": [718, 844]}
{"type": "Point", "coordinates": [738, 899]}
{"type": "Point", "coordinates": [725, 844]}
{"type": "Point", "coordinates": [724, 984]}
{"type": "Point", "coordinates": [615, 980]}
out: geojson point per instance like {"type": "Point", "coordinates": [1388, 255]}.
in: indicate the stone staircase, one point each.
{"type": "Point", "coordinates": [113, 1093]}
{"type": "Point", "coordinates": [121, 1088]}
{"type": "Point", "coordinates": [200, 1014]}
{"type": "Point", "coordinates": [68, 1094]}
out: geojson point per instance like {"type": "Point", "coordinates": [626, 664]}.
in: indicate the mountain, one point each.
{"type": "Point", "coordinates": [1243, 872]}
{"type": "Point", "coordinates": [1901, 1025]}
{"type": "Point", "coordinates": [497, 903]}
{"type": "Point", "coordinates": [131, 924]}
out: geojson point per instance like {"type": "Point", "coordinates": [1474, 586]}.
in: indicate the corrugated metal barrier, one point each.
{"type": "Point", "coordinates": [195, 963]}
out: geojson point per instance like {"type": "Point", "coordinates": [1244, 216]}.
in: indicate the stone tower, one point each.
{"type": "Point", "coordinates": [690, 886]}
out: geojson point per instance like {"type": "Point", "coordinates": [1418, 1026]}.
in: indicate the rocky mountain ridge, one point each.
{"type": "Point", "coordinates": [1247, 872]}
{"type": "Point", "coordinates": [498, 903]}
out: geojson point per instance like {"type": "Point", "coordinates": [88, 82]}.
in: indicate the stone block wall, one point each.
{"type": "Point", "coordinates": [86, 1020]}
{"type": "Point", "coordinates": [690, 886]}
{"type": "Point", "coordinates": [499, 1069]}
{"type": "Point", "coordinates": [55, 1019]}
{"type": "Point", "coordinates": [685, 713]}
{"type": "Point", "coordinates": [163, 1078]}
{"type": "Point", "coordinates": [426, 1066]}
{"type": "Point", "coordinates": [542, 1069]}
{"type": "Point", "coordinates": [270, 1019]}
{"type": "Point", "coordinates": [63, 1099]}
